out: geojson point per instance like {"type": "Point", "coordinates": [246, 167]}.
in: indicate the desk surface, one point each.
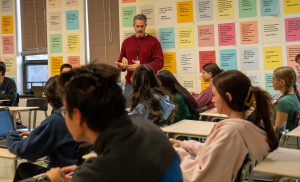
{"type": "Point", "coordinates": [5, 153]}
{"type": "Point", "coordinates": [190, 127]}
{"type": "Point", "coordinates": [4, 100]}
{"type": "Point", "coordinates": [213, 112]}
{"type": "Point", "coordinates": [295, 132]}
{"type": "Point", "coordinates": [282, 162]}
{"type": "Point", "coordinates": [21, 108]}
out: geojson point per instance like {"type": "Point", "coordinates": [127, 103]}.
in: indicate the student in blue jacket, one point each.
{"type": "Point", "coordinates": [51, 139]}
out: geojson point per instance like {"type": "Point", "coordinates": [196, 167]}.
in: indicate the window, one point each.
{"type": "Point", "coordinates": [35, 71]}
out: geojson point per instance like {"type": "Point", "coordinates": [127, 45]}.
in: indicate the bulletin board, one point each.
{"type": "Point", "coordinates": [66, 34]}
{"type": "Point", "coordinates": [8, 37]}
{"type": "Point", "coordinates": [253, 36]}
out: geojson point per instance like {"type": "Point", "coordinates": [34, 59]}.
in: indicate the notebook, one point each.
{"type": "Point", "coordinates": [38, 91]}
{"type": "Point", "coordinates": [6, 125]}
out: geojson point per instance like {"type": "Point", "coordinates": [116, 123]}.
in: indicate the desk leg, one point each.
{"type": "Point", "coordinates": [13, 115]}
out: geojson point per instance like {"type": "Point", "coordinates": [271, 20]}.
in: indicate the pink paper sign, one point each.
{"type": "Point", "coordinates": [74, 61]}
{"type": "Point", "coordinates": [292, 29]}
{"type": "Point", "coordinates": [249, 34]}
{"type": "Point", "coordinates": [226, 34]}
{"type": "Point", "coordinates": [206, 35]}
{"type": "Point", "coordinates": [206, 57]}
{"type": "Point", "coordinates": [8, 44]}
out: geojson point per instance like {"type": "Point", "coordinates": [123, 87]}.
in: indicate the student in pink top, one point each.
{"type": "Point", "coordinates": [210, 70]}
{"type": "Point", "coordinates": [232, 139]}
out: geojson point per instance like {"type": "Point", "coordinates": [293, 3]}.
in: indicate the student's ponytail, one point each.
{"type": "Point", "coordinates": [261, 116]}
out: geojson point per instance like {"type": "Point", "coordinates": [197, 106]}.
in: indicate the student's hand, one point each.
{"type": "Point", "coordinates": [68, 172]}
{"type": "Point", "coordinates": [24, 134]}
{"type": "Point", "coordinates": [123, 64]}
{"type": "Point", "coordinates": [55, 175]}
{"type": "Point", "coordinates": [132, 67]}
{"type": "Point", "coordinates": [175, 143]}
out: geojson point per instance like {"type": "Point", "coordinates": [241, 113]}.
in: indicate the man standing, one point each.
{"type": "Point", "coordinates": [8, 88]}
{"type": "Point", "coordinates": [140, 48]}
{"type": "Point", "coordinates": [297, 60]}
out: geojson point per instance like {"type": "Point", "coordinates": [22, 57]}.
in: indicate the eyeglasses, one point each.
{"type": "Point", "coordinates": [63, 111]}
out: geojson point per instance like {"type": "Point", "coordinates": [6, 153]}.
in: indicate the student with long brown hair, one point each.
{"type": "Point", "coordinates": [232, 139]}
{"type": "Point", "coordinates": [284, 79]}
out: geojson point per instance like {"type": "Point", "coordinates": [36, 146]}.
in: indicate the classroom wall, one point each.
{"type": "Point", "coordinates": [254, 36]}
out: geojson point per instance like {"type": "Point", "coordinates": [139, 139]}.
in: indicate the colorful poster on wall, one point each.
{"type": "Point", "coordinates": [72, 20]}
{"type": "Point", "coordinates": [11, 64]}
{"type": "Point", "coordinates": [54, 4]}
{"type": "Point", "coordinates": [152, 32]}
{"type": "Point", "coordinates": [204, 10]}
{"type": "Point", "coordinates": [148, 10]}
{"type": "Point", "coordinates": [228, 59]}
{"type": "Point", "coordinates": [126, 34]}
{"type": "Point", "coordinates": [247, 8]}
{"type": "Point", "coordinates": [55, 63]}
{"type": "Point", "coordinates": [128, 14]}
{"type": "Point", "coordinates": [7, 25]}
{"type": "Point", "coordinates": [189, 81]}
{"type": "Point", "coordinates": [204, 84]}
{"type": "Point", "coordinates": [74, 61]}
{"type": "Point", "coordinates": [8, 45]}
{"type": "Point", "coordinates": [226, 34]}
{"type": "Point", "coordinates": [249, 32]}
{"type": "Point", "coordinates": [206, 57]}
{"type": "Point", "coordinates": [73, 42]}
{"type": "Point", "coordinates": [170, 62]}
{"type": "Point", "coordinates": [268, 83]}
{"type": "Point", "coordinates": [71, 3]}
{"type": "Point", "coordinates": [128, 1]}
{"type": "Point", "coordinates": [225, 9]}
{"type": "Point", "coordinates": [166, 14]}
{"type": "Point", "coordinates": [249, 58]}
{"type": "Point", "coordinates": [167, 38]}
{"type": "Point", "coordinates": [185, 37]}
{"type": "Point", "coordinates": [271, 31]}
{"type": "Point", "coordinates": [55, 43]}
{"type": "Point", "coordinates": [206, 35]}
{"type": "Point", "coordinates": [291, 52]}
{"type": "Point", "coordinates": [272, 57]}
{"type": "Point", "coordinates": [186, 62]}
{"type": "Point", "coordinates": [185, 12]}
{"type": "Point", "coordinates": [6, 6]}
{"type": "Point", "coordinates": [269, 7]}
{"type": "Point", "coordinates": [55, 21]}
{"type": "Point", "coordinates": [291, 6]}
{"type": "Point", "coordinates": [292, 29]}
{"type": "Point", "coordinates": [254, 78]}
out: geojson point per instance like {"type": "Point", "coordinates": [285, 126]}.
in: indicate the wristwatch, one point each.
{"type": "Point", "coordinates": [43, 178]}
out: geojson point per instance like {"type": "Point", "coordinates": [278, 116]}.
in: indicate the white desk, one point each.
{"type": "Point", "coordinates": [282, 162]}
{"type": "Point", "coordinates": [213, 113]}
{"type": "Point", "coordinates": [5, 153]}
{"type": "Point", "coordinates": [3, 100]}
{"type": "Point", "coordinates": [294, 133]}
{"type": "Point", "coordinates": [190, 128]}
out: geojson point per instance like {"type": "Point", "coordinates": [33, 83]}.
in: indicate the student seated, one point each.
{"type": "Point", "coordinates": [210, 70]}
{"type": "Point", "coordinates": [94, 109]}
{"type": "Point", "coordinates": [149, 98]}
{"type": "Point", "coordinates": [284, 80]}
{"type": "Point", "coordinates": [50, 139]}
{"type": "Point", "coordinates": [232, 139]}
{"type": "Point", "coordinates": [186, 104]}
{"type": "Point", "coordinates": [8, 88]}
{"type": "Point", "coordinates": [65, 68]}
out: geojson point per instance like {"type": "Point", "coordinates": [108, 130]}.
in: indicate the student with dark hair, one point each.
{"type": "Point", "coordinates": [138, 49]}
{"type": "Point", "coordinates": [210, 70]}
{"type": "Point", "coordinates": [65, 68]}
{"type": "Point", "coordinates": [94, 108]}
{"type": "Point", "coordinates": [186, 104]}
{"type": "Point", "coordinates": [8, 88]}
{"type": "Point", "coordinates": [51, 139]}
{"type": "Point", "coordinates": [231, 140]}
{"type": "Point", "coordinates": [149, 98]}
{"type": "Point", "coordinates": [284, 79]}
{"type": "Point", "coordinates": [297, 61]}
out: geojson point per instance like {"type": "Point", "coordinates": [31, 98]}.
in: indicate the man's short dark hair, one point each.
{"type": "Point", "coordinates": [66, 65]}
{"type": "Point", "coordinates": [94, 91]}
{"type": "Point", "coordinates": [140, 17]}
{"type": "Point", "coordinates": [2, 68]}
{"type": "Point", "coordinates": [297, 58]}
{"type": "Point", "coordinates": [53, 97]}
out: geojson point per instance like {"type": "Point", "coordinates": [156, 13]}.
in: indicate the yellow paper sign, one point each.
{"type": "Point", "coordinates": [7, 25]}
{"type": "Point", "coordinates": [55, 63]}
{"type": "Point", "coordinates": [291, 6]}
{"type": "Point", "coordinates": [73, 44]}
{"type": "Point", "coordinates": [204, 84]}
{"type": "Point", "coordinates": [185, 37]}
{"type": "Point", "coordinates": [170, 62]}
{"type": "Point", "coordinates": [272, 57]}
{"type": "Point", "coordinates": [225, 9]}
{"type": "Point", "coordinates": [185, 12]}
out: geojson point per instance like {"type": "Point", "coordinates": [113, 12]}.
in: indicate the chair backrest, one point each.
{"type": "Point", "coordinates": [297, 117]}
{"type": "Point", "coordinates": [38, 102]}
{"type": "Point", "coordinates": [245, 171]}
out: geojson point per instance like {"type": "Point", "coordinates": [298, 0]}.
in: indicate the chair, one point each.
{"type": "Point", "coordinates": [245, 171]}
{"type": "Point", "coordinates": [36, 102]}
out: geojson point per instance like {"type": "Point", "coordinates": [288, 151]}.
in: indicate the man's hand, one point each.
{"type": "Point", "coordinates": [55, 175]}
{"type": "Point", "coordinates": [123, 64]}
{"type": "Point", "coordinates": [132, 67]}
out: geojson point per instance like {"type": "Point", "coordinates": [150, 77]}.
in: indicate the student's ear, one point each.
{"type": "Point", "coordinates": [77, 117]}
{"type": "Point", "coordinates": [210, 74]}
{"type": "Point", "coordinates": [229, 97]}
